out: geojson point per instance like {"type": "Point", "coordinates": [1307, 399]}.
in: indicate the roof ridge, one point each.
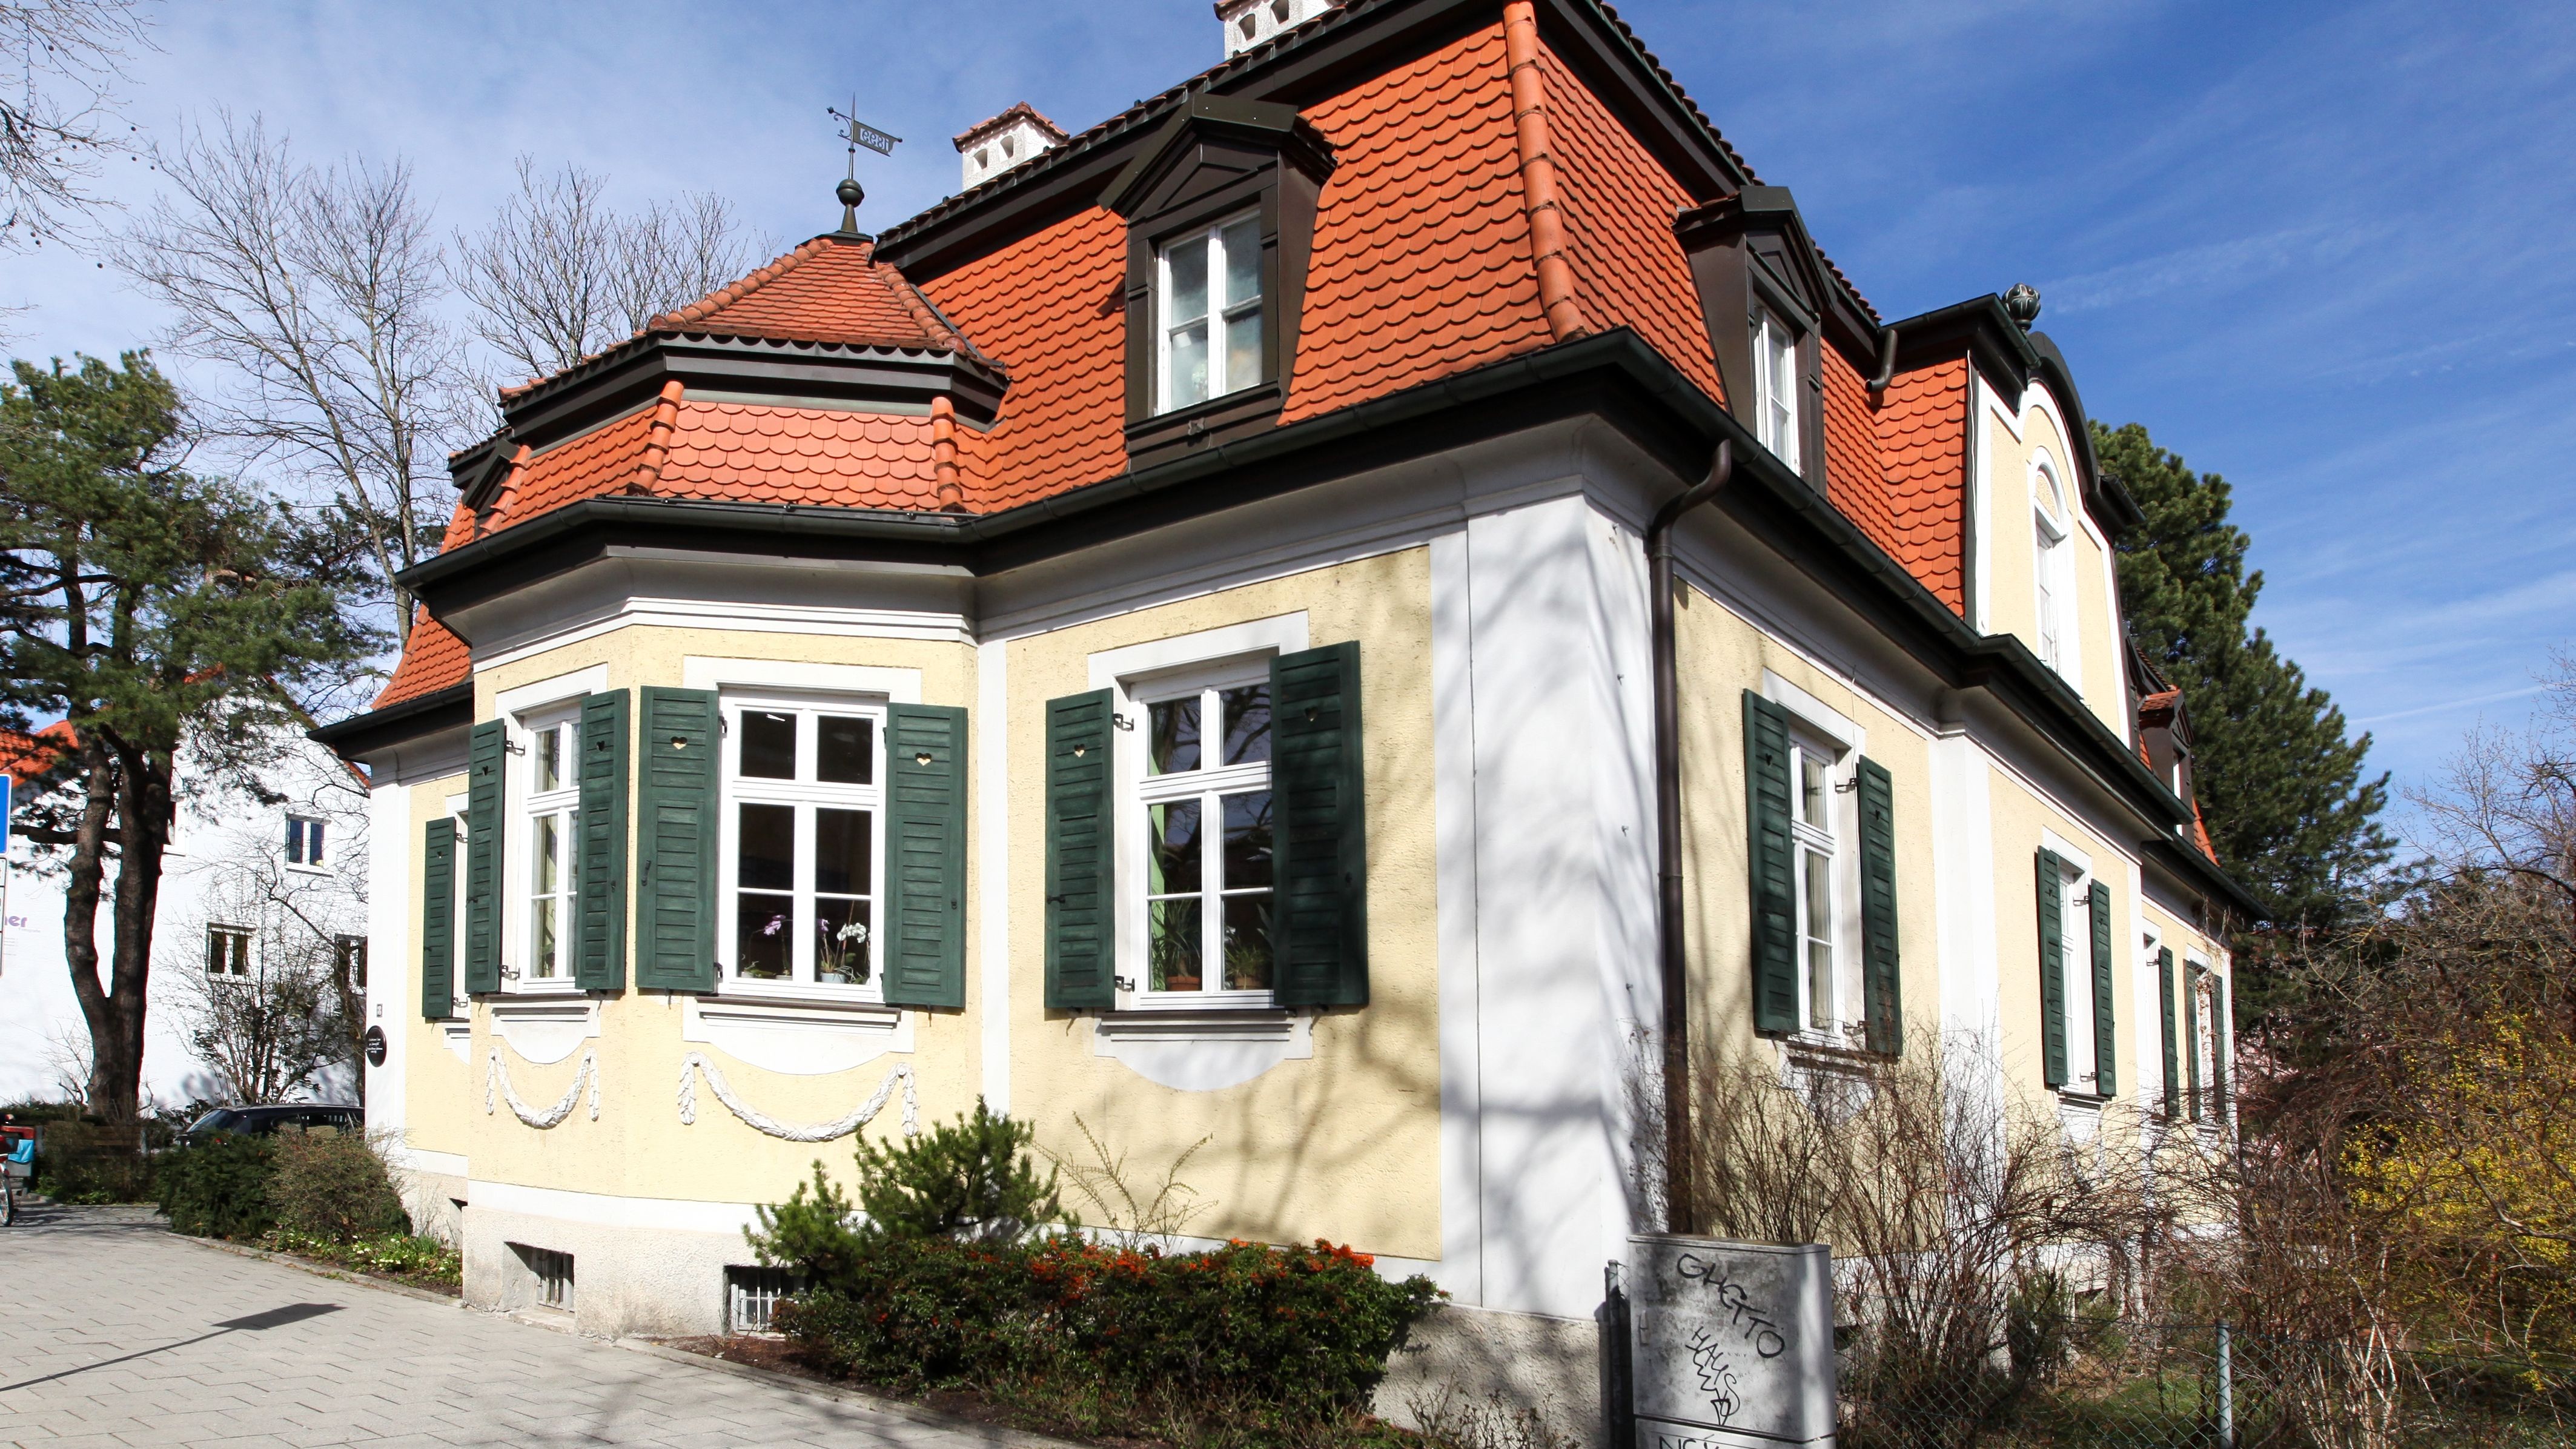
{"type": "Point", "coordinates": [734, 291]}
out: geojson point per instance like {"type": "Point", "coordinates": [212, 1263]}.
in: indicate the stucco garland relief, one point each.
{"type": "Point", "coordinates": [497, 1080]}
{"type": "Point", "coordinates": [695, 1065]}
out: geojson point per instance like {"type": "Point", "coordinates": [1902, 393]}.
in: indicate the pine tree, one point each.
{"type": "Point", "coordinates": [2278, 776]}
{"type": "Point", "coordinates": [147, 608]}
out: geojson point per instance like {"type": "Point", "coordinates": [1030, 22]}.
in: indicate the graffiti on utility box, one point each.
{"type": "Point", "coordinates": [1731, 1343]}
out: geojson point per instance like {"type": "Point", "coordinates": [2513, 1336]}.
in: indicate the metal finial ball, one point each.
{"type": "Point", "coordinates": [2022, 304]}
{"type": "Point", "coordinates": [850, 192]}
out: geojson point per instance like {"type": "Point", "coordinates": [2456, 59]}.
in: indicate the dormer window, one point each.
{"type": "Point", "coordinates": [1220, 212]}
{"type": "Point", "coordinates": [1776, 387]}
{"type": "Point", "coordinates": [1210, 299]}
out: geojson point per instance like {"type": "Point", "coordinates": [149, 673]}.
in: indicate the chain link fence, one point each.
{"type": "Point", "coordinates": [2006, 1376]}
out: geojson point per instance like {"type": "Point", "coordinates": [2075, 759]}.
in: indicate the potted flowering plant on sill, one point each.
{"type": "Point", "coordinates": [841, 957]}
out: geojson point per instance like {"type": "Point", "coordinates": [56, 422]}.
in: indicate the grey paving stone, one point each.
{"type": "Point", "coordinates": [115, 1342]}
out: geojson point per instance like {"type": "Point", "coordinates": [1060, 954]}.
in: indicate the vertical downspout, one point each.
{"type": "Point", "coordinates": [1538, 173]}
{"type": "Point", "coordinates": [1681, 1213]}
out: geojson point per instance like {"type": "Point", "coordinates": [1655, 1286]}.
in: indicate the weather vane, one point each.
{"type": "Point", "coordinates": [858, 133]}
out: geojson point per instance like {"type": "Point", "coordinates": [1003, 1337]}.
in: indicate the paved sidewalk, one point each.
{"type": "Point", "coordinates": [117, 1333]}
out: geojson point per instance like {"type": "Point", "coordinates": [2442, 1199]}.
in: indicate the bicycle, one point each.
{"type": "Point", "coordinates": [16, 1166]}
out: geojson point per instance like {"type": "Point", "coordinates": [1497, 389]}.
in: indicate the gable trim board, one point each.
{"type": "Point", "coordinates": [1613, 375]}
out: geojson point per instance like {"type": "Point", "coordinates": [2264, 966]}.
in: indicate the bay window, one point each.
{"type": "Point", "coordinates": [800, 873]}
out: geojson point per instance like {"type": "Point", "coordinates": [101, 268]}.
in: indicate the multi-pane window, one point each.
{"type": "Point", "coordinates": [1205, 796]}
{"type": "Point", "coordinates": [549, 880]}
{"type": "Point", "coordinates": [2207, 1078]}
{"type": "Point", "coordinates": [1812, 827]}
{"type": "Point", "coordinates": [227, 951]}
{"type": "Point", "coordinates": [1210, 305]}
{"type": "Point", "coordinates": [2083, 1072]}
{"type": "Point", "coordinates": [1775, 387]}
{"type": "Point", "coordinates": [803, 804]}
{"type": "Point", "coordinates": [349, 955]}
{"type": "Point", "coordinates": [2049, 569]}
{"type": "Point", "coordinates": [304, 841]}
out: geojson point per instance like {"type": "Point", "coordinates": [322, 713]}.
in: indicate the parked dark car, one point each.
{"type": "Point", "coordinates": [268, 1121]}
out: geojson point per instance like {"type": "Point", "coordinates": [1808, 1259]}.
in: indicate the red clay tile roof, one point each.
{"type": "Point", "coordinates": [1619, 204]}
{"type": "Point", "coordinates": [1922, 518]}
{"type": "Point", "coordinates": [434, 660]}
{"type": "Point", "coordinates": [828, 290]}
{"type": "Point", "coordinates": [25, 756]}
{"type": "Point", "coordinates": [1421, 262]}
{"type": "Point", "coordinates": [1063, 421]}
{"type": "Point", "coordinates": [799, 455]}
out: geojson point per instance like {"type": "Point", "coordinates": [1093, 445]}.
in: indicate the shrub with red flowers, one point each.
{"type": "Point", "coordinates": [1111, 1337]}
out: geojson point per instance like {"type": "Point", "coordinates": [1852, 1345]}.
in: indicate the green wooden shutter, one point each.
{"type": "Point", "coordinates": [2052, 968]}
{"type": "Point", "coordinates": [1080, 853]}
{"type": "Point", "coordinates": [438, 919]}
{"type": "Point", "coordinates": [1881, 981]}
{"type": "Point", "coordinates": [484, 763]}
{"type": "Point", "coordinates": [1774, 865]}
{"type": "Point", "coordinates": [677, 841]}
{"type": "Point", "coordinates": [2191, 1039]}
{"type": "Point", "coordinates": [2221, 1045]}
{"type": "Point", "coordinates": [923, 930]}
{"type": "Point", "coordinates": [2173, 1066]}
{"type": "Point", "coordinates": [2106, 1016]}
{"type": "Point", "coordinates": [1319, 816]}
{"type": "Point", "coordinates": [599, 953]}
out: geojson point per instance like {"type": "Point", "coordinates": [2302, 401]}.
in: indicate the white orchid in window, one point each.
{"type": "Point", "coordinates": [841, 957]}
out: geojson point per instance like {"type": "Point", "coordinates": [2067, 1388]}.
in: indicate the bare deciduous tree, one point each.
{"type": "Point", "coordinates": [59, 122]}
{"type": "Point", "coordinates": [289, 1016]}
{"type": "Point", "coordinates": [320, 293]}
{"type": "Point", "coordinates": [561, 274]}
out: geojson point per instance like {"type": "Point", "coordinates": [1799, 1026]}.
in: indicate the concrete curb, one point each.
{"type": "Point", "coordinates": [815, 1388]}
{"type": "Point", "coordinates": [319, 1270]}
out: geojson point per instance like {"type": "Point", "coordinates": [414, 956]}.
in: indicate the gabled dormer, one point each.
{"type": "Point", "coordinates": [1771, 305]}
{"type": "Point", "coordinates": [1220, 213]}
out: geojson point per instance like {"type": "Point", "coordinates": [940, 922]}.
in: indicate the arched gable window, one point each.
{"type": "Point", "coordinates": [2052, 570]}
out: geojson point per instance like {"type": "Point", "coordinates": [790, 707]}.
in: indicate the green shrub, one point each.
{"type": "Point", "coordinates": [219, 1189]}
{"type": "Point", "coordinates": [393, 1255]}
{"type": "Point", "coordinates": [334, 1186]}
{"type": "Point", "coordinates": [1274, 1336]}
{"type": "Point", "coordinates": [972, 1178]}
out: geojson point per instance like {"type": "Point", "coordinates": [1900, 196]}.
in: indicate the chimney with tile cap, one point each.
{"type": "Point", "coordinates": [1250, 22]}
{"type": "Point", "coordinates": [992, 147]}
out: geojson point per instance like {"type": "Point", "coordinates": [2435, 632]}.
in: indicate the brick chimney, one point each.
{"type": "Point", "coordinates": [992, 147]}
{"type": "Point", "coordinates": [1250, 22]}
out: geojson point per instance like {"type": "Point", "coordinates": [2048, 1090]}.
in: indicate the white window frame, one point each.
{"type": "Point", "coordinates": [526, 734]}
{"type": "Point", "coordinates": [302, 831]}
{"type": "Point", "coordinates": [1775, 388]}
{"type": "Point", "coordinates": [2205, 1107]}
{"type": "Point", "coordinates": [1208, 785]}
{"type": "Point", "coordinates": [1222, 312]}
{"type": "Point", "coordinates": [2075, 922]}
{"type": "Point", "coordinates": [2151, 1009]}
{"type": "Point", "coordinates": [2052, 573]}
{"type": "Point", "coordinates": [805, 795]}
{"type": "Point", "coordinates": [1233, 651]}
{"type": "Point", "coordinates": [1818, 731]}
{"type": "Point", "coordinates": [244, 956]}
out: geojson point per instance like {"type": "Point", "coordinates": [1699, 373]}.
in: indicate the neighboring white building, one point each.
{"type": "Point", "coordinates": [240, 872]}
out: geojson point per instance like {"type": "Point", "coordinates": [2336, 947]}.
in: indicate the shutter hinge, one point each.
{"type": "Point", "coordinates": [1122, 722]}
{"type": "Point", "coordinates": [1123, 983]}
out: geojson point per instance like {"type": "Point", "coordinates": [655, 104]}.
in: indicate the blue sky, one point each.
{"type": "Point", "coordinates": [2321, 249]}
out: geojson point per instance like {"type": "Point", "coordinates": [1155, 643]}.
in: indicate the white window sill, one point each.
{"type": "Point", "coordinates": [293, 869]}
{"type": "Point", "coordinates": [550, 987]}
{"type": "Point", "coordinates": [789, 1002]}
{"type": "Point", "coordinates": [796, 1032]}
{"type": "Point", "coordinates": [1201, 1021]}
